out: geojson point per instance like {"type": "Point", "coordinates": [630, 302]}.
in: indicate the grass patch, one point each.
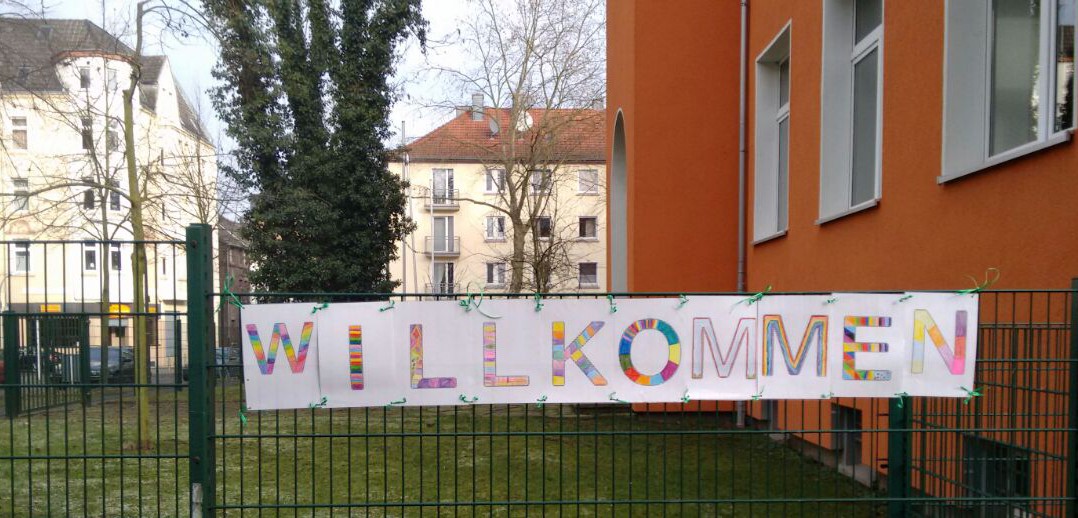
{"type": "Point", "coordinates": [503, 460]}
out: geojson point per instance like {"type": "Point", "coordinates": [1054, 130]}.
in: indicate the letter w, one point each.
{"type": "Point", "coordinates": [266, 358]}
{"type": "Point", "coordinates": [703, 331]}
{"type": "Point", "coordinates": [775, 331]}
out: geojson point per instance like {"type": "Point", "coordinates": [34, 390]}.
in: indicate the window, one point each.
{"type": "Point", "coordinates": [495, 181]}
{"type": "Point", "coordinates": [851, 128]}
{"type": "Point", "coordinates": [495, 228]}
{"type": "Point", "coordinates": [111, 80]}
{"type": "Point", "coordinates": [24, 74]}
{"type": "Point", "coordinates": [87, 133]}
{"type": "Point", "coordinates": [495, 274]}
{"type": "Point", "coordinates": [89, 198]}
{"type": "Point", "coordinates": [588, 181]}
{"type": "Point", "coordinates": [541, 182]}
{"type": "Point", "coordinates": [543, 227]}
{"type": "Point", "coordinates": [588, 227]}
{"type": "Point", "coordinates": [114, 136]}
{"type": "Point", "coordinates": [771, 166]}
{"type": "Point", "coordinates": [1009, 80]}
{"type": "Point", "coordinates": [89, 257]}
{"type": "Point", "coordinates": [164, 266]}
{"type": "Point", "coordinates": [998, 470]}
{"type": "Point", "coordinates": [443, 279]}
{"type": "Point", "coordinates": [442, 184]}
{"type": "Point", "coordinates": [21, 193]}
{"type": "Point", "coordinates": [114, 256]}
{"type": "Point", "coordinates": [84, 77]}
{"type": "Point", "coordinates": [18, 132]}
{"type": "Point", "coordinates": [114, 195]}
{"type": "Point", "coordinates": [22, 257]}
{"type": "Point", "coordinates": [589, 275]}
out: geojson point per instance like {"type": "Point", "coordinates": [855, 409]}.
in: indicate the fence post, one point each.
{"type": "Point", "coordinates": [898, 451]}
{"type": "Point", "coordinates": [12, 377]}
{"type": "Point", "coordinates": [201, 384]}
{"type": "Point", "coordinates": [1072, 420]}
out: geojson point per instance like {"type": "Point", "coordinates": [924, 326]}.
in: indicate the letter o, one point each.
{"type": "Point", "coordinates": [673, 347]}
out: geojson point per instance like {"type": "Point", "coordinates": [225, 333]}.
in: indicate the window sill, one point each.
{"type": "Point", "coordinates": [586, 193]}
{"type": "Point", "coordinates": [1016, 153]}
{"type": "Point", "coordinates": [776, 235]}
{"type": "Point", "coordinates": [585, 286]}
{"type": "Point", "coordinates": [495, 286]}
{"type": "Point", "coordinates": [588, 239]}
{"type": "Point", "coordinates": [852, 210]}
{"type": "Point", "coordinates": [494, 240]}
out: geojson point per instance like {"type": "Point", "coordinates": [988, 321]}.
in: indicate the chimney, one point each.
{"type": "Point", "coordinates": [477, 107]}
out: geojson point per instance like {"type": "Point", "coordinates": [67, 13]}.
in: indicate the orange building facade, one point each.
{"type": "Point", "coordinates": [885, 145]}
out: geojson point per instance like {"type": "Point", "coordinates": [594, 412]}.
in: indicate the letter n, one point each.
{"type": "Point", "coordinates": [956, 359]}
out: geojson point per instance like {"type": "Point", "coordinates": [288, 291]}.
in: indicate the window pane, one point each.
{"type": "Point", "coordinates": [784, 83]}
{"type": "Point", "coordinates": [1065, 18]}
{"type": "Point", "coordinates": [1014, 86]}
{"type": "Point", "coordinates": [783, 170]}
{"type": "Point", "coordinates": [869, 15]}
{"type": "Point", "coordinates": [865, 90]}
{"type": "Point", "coordinates": [90, 260]}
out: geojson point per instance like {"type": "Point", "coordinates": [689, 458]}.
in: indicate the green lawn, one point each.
{"type": "Point", "coordinates": [456, 461]}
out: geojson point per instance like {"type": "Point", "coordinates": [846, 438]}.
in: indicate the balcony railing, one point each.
{"type": "Point", "coordinates": [442, 245]}
{"type": "Point", "coordinates": [443, 287]}
{"type": "Point", "coordinates": [441, 199]}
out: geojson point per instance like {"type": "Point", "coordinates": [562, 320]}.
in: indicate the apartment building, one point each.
{"type": "Point", "coordinates": [64, 176]}
{"type": "Point", "coordinates": [464, 203]}
{"type": "Point", "coordinates": [831, 145]}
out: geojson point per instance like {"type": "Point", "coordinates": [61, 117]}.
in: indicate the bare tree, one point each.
{"type": "Point", "coordinates": [541, 65]}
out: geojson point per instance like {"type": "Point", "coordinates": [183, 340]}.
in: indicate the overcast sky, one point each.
{"type": "Point", "coordinates": [193, 58]}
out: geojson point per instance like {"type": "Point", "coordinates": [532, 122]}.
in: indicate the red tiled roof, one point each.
{"type": "Point", "coordinates": [576, 136]}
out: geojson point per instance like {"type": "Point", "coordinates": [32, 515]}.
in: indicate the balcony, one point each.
{"type": "Point", "coordinates": [443, 287]}
{"type": "Point", "coordinates": [442, 246]}
{"type": "Point", "coordinates": [440, 200]}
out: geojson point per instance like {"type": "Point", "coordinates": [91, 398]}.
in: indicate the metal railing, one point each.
{"type": "Point", "coordinates": [442, 246]}
{"type": "Point", "coordinates": [441, 199]}
{"type": "Point", "coordinates": [443, 287]}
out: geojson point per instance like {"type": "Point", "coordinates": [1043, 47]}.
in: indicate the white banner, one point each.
{"type": "Point", "coordinates": [589, 351]}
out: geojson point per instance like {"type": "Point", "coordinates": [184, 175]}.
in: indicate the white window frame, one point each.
{"type": "Point", "coordinates": [550, 227]}
{"type": "Point", "coordinates": [580, 275]}
{"type": "Point", "coordinates": [840, 56]}
{"type": "Point", "coordinates": [116, 257]}
{"type": "Point", "coordinates": [580, 228]}
{"type": "Point", "coordinates": [20, 249]}
{"type": "Point", "coordinates": [111, 79]}
{"type": "Point", "coordinates": [20, 123]}
{"type": "Point", "coordinates": [85, 78]}
{"type": "Point", "coordinates": [582, 186]}
{"type": "Point", "coordinates": [967, 105]}
{"type": "Point", "coordinates": [770, 114]}
{"type": "Point", "coordinates": [90, 248]}
{"type": "Point", "coordinates": [86, 132]}
{"type": "Point", "coordinates": [495, 275]}
{"type": "Point", "coordinates": [494, 178]}
{"type": "Point", "coordinates": [491, 233]}
{"type": "Point", "coordinates": [546, 182]}
{"type": "Point", "coordinates": [20, 194]}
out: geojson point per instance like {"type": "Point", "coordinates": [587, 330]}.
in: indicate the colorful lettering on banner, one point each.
{"type": "Point", "coordinates": [266, 358]}
{"type": "Point", "coordinates": [355, 356]}
{"type": "Point", "coordinates": [490, 361]}
{"type": "Point", "coordinates": [416, 348]}
{"type": "Point", "coordinates": [576, 352]}
{"type": "Point", "coordinates": [956, 359]}
{"type": "Point", "coordinates": [704, 331]}
{"type": "Point", "coordinates": [815, 331]}
{"type": "Point", "coordinates": [850, 346]}
{"type": "Point", "coordinates": [673, 344]}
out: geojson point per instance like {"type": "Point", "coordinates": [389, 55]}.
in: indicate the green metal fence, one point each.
{"type": "Point", "coordinates": [1008, 452]}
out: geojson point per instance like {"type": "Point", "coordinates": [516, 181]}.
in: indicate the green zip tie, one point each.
{"type": "Point", "coordinates": [755, 298]}
{"type": "Point", "coordinates": [831, 301]}
{"type": "Point", "coordinates": [970, 394]}
{"type": "Point", "coordinates": [758, 395]}
{"type": "Point", "coordinates": [614, 397]}
{"type": "Point", "coordinates": [469, 401]}
{"type": "Point", "coordinates": [388, 307]}
{"type": "Point", "coordinates": [828, 395]}
{"type": "Point", "coordinates": [470, 302]}
{"type": "Point", "coordinates": [538, 302]}
{"type": "Point", "coordinates": [685, 397]}
{"type": "Point", "coordinates": [613, 305]}
{"type": "Point", "coordinates": [682, 300]}
{"type": "Point", "coordinates": [243, 414]}
{"type": "Point", "coordinates": [902, 398]}
{"type": "Point", "coordinates": [320, 404]}
{"type": "Point", "coordinates": [319, 307]}
{"type": "Point", "coordinates": [400, 401]}
{"type": "Point", "coordinates": [229, 297]}
{"type": "Point", "coordinates": [982, 286]}
{"type": "Point", "coordinates": [541, 401]}
{"type": "Point", "coordinates": [904, 299]}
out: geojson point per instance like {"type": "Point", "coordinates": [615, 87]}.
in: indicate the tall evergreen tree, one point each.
{"type": "Point", "coordinates": [306, 97]}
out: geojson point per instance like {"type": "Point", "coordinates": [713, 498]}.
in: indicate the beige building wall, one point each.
{"type": "Point", "coordinates": [469, 219]}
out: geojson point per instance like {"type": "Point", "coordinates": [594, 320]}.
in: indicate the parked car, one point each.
{"type": "Point", "coordinates": [228, 361]}
{"type": "Point", "coordinates": [121, 364]}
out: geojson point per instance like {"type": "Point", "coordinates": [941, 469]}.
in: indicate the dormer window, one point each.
{"type": "Point", "coordinates": [84, 77]}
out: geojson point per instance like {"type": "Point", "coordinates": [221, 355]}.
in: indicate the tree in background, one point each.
{"type": "Point", "coordinates": [542, 62]}
{"type": "Point", "coordinates": [307, 99]}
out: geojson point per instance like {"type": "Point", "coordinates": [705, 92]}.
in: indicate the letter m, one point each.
{"type": "Point", "coordinates": [703, 335]}
{"type": "Point", "coordinates": [266, 357]}
{"type": "Point", "coordinates": [775, 333]}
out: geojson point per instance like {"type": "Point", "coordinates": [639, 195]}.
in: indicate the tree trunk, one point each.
{"type": "Point", "coordinates": [520, 233]}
